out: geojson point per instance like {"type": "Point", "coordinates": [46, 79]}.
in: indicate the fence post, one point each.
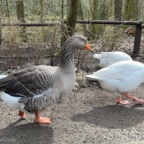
{"type": "Point", "coordinates": [137, 38]}
{"type": "Point", "coordinates": [0, 32]}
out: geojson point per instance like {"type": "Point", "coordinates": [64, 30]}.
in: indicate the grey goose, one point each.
{"type": "Point", "coordinates": [35, 89]}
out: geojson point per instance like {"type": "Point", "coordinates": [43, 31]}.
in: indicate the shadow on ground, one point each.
{"type": "Point", "coordinates": [112, 116]}
{"type": "Point", "coordinates": [26, 133]}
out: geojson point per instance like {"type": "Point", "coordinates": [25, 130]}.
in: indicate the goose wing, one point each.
{"type": "Point", "coordinates": [28, 82]}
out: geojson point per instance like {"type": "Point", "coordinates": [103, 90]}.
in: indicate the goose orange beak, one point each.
{"type": "Point", "coordinates": [88, 47]}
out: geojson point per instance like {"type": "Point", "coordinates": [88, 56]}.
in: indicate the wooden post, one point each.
{"type": "Point", "coordinates": [137, 38]}
{"type": "Point", "coordinates": [0, 32]}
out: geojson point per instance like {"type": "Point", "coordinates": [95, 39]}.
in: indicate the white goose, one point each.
{"type": "Point", "coordinates": [2, 76]}
{"type": "Point", "coordinates": [107, 58]}
{"type": "Point", "coordinates": [37, 88]}
{"type": "Point", "coordinates": [120, 79]}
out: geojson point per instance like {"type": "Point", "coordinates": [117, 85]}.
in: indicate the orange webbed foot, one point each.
{"type": "Point", "coordinates": [138, 100]}
{"type": "Point", "coordinates": [123, 102]}
{"type": "Point", "coordinates": [134, 98]}
{"type": "Point", "coordinates": [22, 114]}
{"type": "Point", "coordinates": [41, 120]}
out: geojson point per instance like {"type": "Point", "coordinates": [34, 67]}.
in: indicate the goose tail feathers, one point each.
{"type": "Point", "coordinates": [2, 76]}
{"type": "Point", "coordinates": [92, 76]}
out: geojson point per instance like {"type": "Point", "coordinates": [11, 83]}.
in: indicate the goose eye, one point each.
{"type": "Point", "coordinates": [82, 40]}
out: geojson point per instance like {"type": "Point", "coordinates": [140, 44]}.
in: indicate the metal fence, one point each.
{"type": "Point", "coordinates": [139, 25]}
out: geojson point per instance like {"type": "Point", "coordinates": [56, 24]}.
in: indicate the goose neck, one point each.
{"type": "Point", "coordinates": [67, 57]}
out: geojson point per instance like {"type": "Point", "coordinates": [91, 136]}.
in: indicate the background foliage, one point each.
{"type": "Point", "coordinates": [19, 40]}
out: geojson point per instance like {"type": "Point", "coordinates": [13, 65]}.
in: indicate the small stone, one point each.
{"type": "Point", "coordinates": [81, 79]}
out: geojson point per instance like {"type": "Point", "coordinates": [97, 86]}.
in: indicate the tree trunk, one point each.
{"type": "Point", "coordinates": [95, 15]}
{"type": "Point", "coordinates": [62, 9]}
{"type": "Point", "coordinates": [118, 9]}
{"type": "Point", "coordinates": [81, 15]}
{"type": "Point", "coordinates": [136, 10]}
{"type": "Point", "coordinates": [140, 7]}
{"type": "Point", "coordinates": [131, 9]}
{"type": "Point", "coordinates": [41, 19]}
{"type": "Point", "coordinates": [71, 20]}
{"type": "Point", "coordinates": [111, 8]}
{"type": "Point", "coordinates": [41, 11]}
{"type": "Point", "coordinates": [21, 18]}
{"type": "Point", "coordinates": [127, 10]}
{"type": "Point", "coordinates": [103, 10]}
{"type": "Point", "coordinates": [7, 12]}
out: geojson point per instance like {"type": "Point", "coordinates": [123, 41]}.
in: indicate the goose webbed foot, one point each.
{"type": "Point", "coordinates": [22, 114]}
{"type": "Point", "coordinates": [134, 98]}
{"type": "Point", "coordinates": [41, 120]}
{"type": "Point", "coordinates": [123, 102]}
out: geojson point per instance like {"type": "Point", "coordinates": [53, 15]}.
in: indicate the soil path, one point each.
{"type": "Point", "coordinates": [90, 116]}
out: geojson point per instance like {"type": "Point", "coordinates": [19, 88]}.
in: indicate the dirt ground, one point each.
{"type": "Point", "coordinates": [89, 116]}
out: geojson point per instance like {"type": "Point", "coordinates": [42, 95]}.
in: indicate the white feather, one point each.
{"type": "Point", "coordinates": [12, 101]}
{"type": "Point", "coordinates": [121, 77]}
{"type": "Point", "coordinates": [2, 76]}
{"type": "Point", "coordinates": [108, 58]}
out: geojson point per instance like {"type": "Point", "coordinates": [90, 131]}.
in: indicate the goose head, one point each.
{"type": "Point", "coordinates": [75, 42]}
{"type": "Point", "coordinates": [78, 42]}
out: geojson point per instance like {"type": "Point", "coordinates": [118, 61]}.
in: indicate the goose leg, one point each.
{"type": "Point", "coordinates": [41, 120]}
{"type": "Point", "coordinates": [123, 102]}
{"type": "Point", "coordinates": [22, 114]}
{"type": "Point", "coordinates": [134, 98]}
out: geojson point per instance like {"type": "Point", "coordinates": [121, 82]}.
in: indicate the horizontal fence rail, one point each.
{"type": "Point", "coordinates": [32, 24]}
{"type": "Point", "coordinates": [108, 22]}
{"type": "Point", "coordinates": [78, 21]}
{"type": "Point", "coordinates": [139, 25]}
